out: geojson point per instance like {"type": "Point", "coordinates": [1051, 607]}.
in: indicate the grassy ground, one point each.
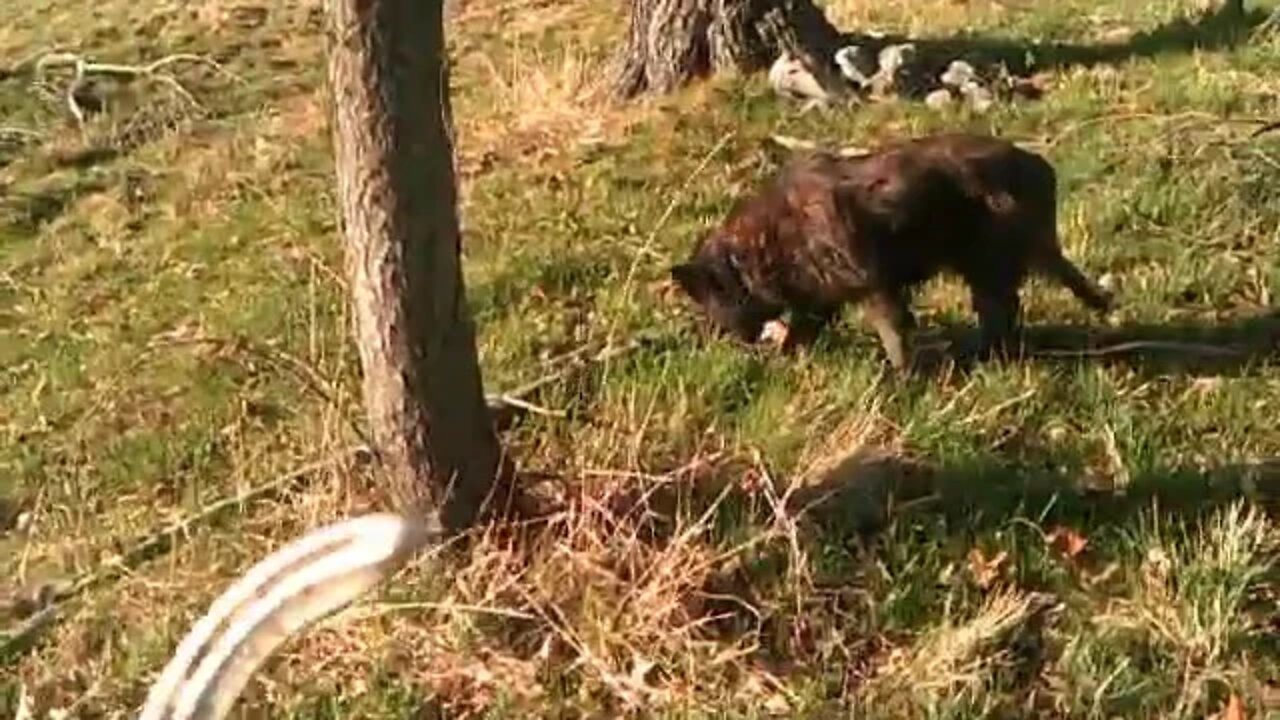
{"type": "Point", "coordinates": [1056, 537]}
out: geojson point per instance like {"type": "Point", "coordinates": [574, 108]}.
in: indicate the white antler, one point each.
{"type": "Point", "coordinates": [285, 592]}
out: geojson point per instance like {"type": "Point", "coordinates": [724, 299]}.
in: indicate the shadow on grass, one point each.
{"type": "Point", "coordinates": [868, 489]}
{"type": "Point", "coordinates": [1223, 28]}
{"type": "Point", "coordinates": [1231, 347]}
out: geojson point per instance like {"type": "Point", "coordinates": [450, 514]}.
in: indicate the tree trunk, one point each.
{"type": "Point", "coordinates": [671, 42]}
{"type": "Point", "coordinates": [398, 199]}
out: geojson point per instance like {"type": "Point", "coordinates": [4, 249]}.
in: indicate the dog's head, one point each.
{"type": "Point", "coordinates": [715, 283]}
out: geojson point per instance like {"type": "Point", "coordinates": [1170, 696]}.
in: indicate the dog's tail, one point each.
{"type": "Point", "coordinates": [277, 598]}
{"type": "Point", "coordinates": [1056, 265]}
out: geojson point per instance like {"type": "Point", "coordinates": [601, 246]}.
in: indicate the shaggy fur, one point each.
{"type": "Point", "coordinates": [828, 230]}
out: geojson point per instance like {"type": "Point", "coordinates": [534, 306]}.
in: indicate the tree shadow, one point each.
{"type": "Point", "coordinates": [1231, 348]}
{"type": "Point", "coordinates": [868, 489]}
{"type": "Point", "coordinates": [1221, 28]}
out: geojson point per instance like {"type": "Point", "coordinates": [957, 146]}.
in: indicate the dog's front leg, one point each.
{"type": "Point", "coordinates": [889, 314]}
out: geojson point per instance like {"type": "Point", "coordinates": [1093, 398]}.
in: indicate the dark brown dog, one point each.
{"type": "Point", "coordinates": [828, 230]}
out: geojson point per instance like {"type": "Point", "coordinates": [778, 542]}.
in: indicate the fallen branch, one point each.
{"type": "Point", "coordinates": [793, 144]}
{"type": "Point", "coordinates": [159, 542]}
{"type": "Point", "coordinates": [18, 134]}
{"type": "Point", "coordinates": [24, 633]}
{"type": "Point", "coordinates": [1269, 127]}
{"type": "Point", "coordinates": [505, 408]}
{"type": "Point", "coordinates": [84, 69]}
{"type": "Point", "coordinates": [513, 397]}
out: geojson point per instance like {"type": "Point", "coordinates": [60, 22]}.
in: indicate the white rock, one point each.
{"type": "Point", "coordinates": [958, 73]}
{"type": "Point", "coordinates": [893, 57]}
{"type": "Point", "coordinates": [789, 77]}
{"type": "Point", "coordinates": [980, 99]}
{"type": "Point", "coordinates": [938, 99]}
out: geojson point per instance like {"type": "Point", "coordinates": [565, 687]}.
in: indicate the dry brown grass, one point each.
{"type": "Point", "coordinates": [918, 18]}
{"type": "Point", "coordinates": [954, 663]}
{"type": "Point", "coordinates": [539, 105]}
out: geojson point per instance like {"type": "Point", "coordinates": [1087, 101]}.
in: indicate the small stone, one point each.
{"type": "Point", "coordinates": [938, 99]}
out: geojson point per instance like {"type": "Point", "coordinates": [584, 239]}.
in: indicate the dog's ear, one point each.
{"type": "Point", "coordinates": [694, 279]}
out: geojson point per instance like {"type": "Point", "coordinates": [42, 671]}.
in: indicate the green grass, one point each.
{"type": "Point", "coordinates": [173, 330]}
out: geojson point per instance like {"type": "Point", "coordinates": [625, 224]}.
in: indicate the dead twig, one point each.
{"type": "Point", "coordinates": [503, 402]}
{"type": "Point", "coordinates": [514, 399]}
{"type": "Point", "coordinates": [628, 282]}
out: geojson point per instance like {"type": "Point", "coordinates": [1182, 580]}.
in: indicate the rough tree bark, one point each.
{"type": "Point", "coordinates": [398, 199]}
{"type": "Point", "coordinates": [670, 42]}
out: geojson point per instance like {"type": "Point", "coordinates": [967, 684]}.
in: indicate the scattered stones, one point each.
{"type": "Point", "coordinates": [880, 69]}
{"type": "Point", "coordinates": [881, 81]}
{"type": "Point", "coordinates": [962, 78]}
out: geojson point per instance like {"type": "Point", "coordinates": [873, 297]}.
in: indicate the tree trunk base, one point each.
{"type": "Point", "coordinates": [671, 42]}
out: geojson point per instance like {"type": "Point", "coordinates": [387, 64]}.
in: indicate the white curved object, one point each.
{"type": "Point", "coordinates": [278, 597]}
{"type": "Point", "coordinates": [789, 77]}
{"type": "Point", "coordinates": [845, 60]}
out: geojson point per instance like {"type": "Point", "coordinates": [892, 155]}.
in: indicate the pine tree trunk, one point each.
{"type": "Point", "coordinates": [671, 42]}
{"type": "Point", "coordinates": [398, 200]}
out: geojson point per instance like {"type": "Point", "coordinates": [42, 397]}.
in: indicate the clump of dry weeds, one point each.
{"type": "Point", "coordinates": [537, 105]}
{"type": "Point", "coordinates": [633, 594]}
